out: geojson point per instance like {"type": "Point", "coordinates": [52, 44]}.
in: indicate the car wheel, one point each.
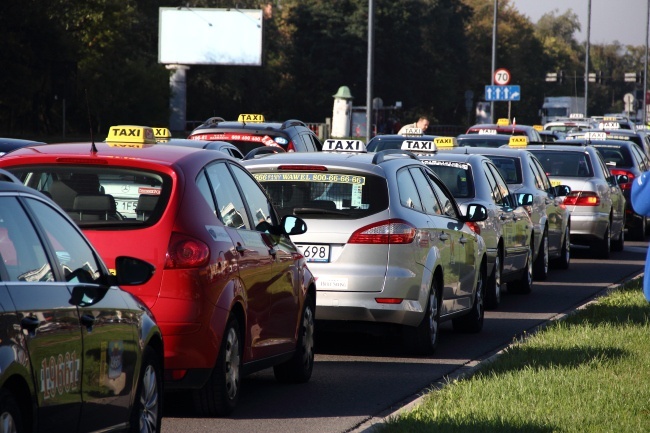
{"type": "Point", "coordinates": [298, 369]}
{"type": "Point", "coordinates": [638, 232]}
{"type": "Point", "coordinates": [562, 262]}
{"type": "Point", "coordinates": [540, 267]}
{"type": "Point", "coordinates": [423, 339]}
{"type": "Point", "coordinates": [619, 243]}
{"type": "Point", "coordinates": [473, 322]}
{"type": "Point", "coordinates": [219, 395]}
{"type": "Point", "coordinates": [524, 285]}
{"type": "Point", "coordinates": [603, 247]}
{"type": "Point", "coordinates": [10, 416]}
{"type": "Point", "coordinates": [147, 410]}
{"type": "Point", "coordinates": [493, 291]}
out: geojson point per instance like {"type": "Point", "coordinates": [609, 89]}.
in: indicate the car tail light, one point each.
{"type": "Point", "coordinates": [302, 167]}
{"type": "Point", "coordinates": [291, 147]}
{"type": "Point", "coordinates": [392, 231]}
{"type": "Point", "coordinates": [393, 301]}
{"type": "Point", "coordinates": [582, 198]}
{"type": "Point", "coordinates": [473, 226]}
{"type": "Point", "coordinates": [629, 174]}
{"type": "Point", "coordinates": [186, 252]}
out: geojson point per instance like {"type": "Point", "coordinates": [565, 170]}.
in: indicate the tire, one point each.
{"type": "Point", "coordinates": [493, 290]}
{"type": "Point", "coordinates": [147, 408]}
{"type": "Point", "coordinates": [524, 284]}
{"type": "Point", "coordinates": [11, 420]}
{"type": "Point", "coordinates": [619, 243]}
{"type": "Point", "coordinates": [562, 262]}
{"type": "Point", "coordinates": [298, 369]}
{"type": "Point", "coordinates": [602, 247]}
{"type": "Point", "coordinates": [220, 394]}
{"type": "Point", "coordinates": [473, 322]}
{"type": "Point", "coordinates": [638, 232]}
{"type": "Point", "coordinates": [423, 339]}
{"type": "Point", "coordinates": [540, 267]}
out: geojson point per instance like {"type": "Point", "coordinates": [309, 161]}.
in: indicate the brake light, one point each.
{"type": "Point", "coordinates": [291, 147]}
{"type": "Point", "coordinates": [582, 198]}
{"type": "Point", "coordinates": [629, 174]}
{"type": "Point", "coordinates": [393, 301]}
{"type": "Point", "coordinates": [473, 226]}
{"type": "Point", "coordinates": [392, 231]}
{"type": "Point", "coordinates": [186, 252]}
{"type": "Point", "coordinates": [302, 167]}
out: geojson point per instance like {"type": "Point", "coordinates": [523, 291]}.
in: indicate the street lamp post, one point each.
{"type": "Point", "coordinates": [494, 53]}
{"type": "Point", "coordinates": [587, 57]}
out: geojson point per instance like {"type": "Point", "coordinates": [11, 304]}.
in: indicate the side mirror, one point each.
{"type": "Point", "coordinates": [130, 271]}
{"type": "Point", "coordinates": [476, 212]}
{"type": "Point", "coordinates": [561, 190]}
{"type": "Point", "coordinates": [621, 178]}
{"type": "Point", "coordinates": [293, 225]}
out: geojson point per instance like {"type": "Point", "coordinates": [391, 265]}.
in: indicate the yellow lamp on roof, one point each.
{"type": "Point", "coordinates": [445, 142]}
{"type": "Point", "coordinates": [251, 118]}
{"type": "Point", "coordinates": [503, 122]}
{"type": "Point", "coordinates": [162, 134]}
{"type": "Point", "coordinates": [538, 127]}
{"type": "Point", "coordinates": [130, 136]}
{"type": "Point", "coordinates": [518, 141]}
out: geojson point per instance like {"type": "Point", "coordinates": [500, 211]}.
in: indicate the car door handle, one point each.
{"type": "Point", "coordinates": [30, 323]}
{"type": "Point", "coordinates": [504, 217]}
{"type": "Point", "coordinates": [273, 252]}
{"type": "Point", "coordinates": [443, 237]}
{"type": "Point", "coordinates": [88, 320]}
{"type": "Point", "coordinates": [462, 240]}
{"type": "Point", "coordinates": [240, 249]}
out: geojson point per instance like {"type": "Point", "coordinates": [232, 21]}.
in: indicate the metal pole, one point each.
{"type": "Point", "coordinates": [587, 58]}
{"type": "Point", "coordinates": [645, 69]}
{"type": "Point", "coordinates": [371, 43]}
{"type": "Point", "coordinates": [494, 54]}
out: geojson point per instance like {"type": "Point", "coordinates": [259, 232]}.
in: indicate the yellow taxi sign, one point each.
{"type": "Point", "coordinates": [503, 122]}
{"type": "Point", "coordinates": [538, 127]}
{"type": "Point", "coordinates": [162, 134]}
{"type": "Point", "coordinates": [352, 146]}
{"type": "Point", "coordinates": [445, 142]}
{"type": "Point", "coordinates": [130, 136]}
{"type": "Point", "coordinates": [251, 118]}
{"type": "Point", "coordinates": [518, 141]}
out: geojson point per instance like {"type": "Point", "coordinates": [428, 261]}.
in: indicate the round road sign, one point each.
{"type": "Point", "coordinates": [501, 77]}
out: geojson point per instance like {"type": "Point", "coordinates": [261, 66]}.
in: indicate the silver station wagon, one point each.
{"type": "Point", "coordinates": [386, 241]}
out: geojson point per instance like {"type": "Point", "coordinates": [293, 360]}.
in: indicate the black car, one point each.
{"type": "Point", "coordinates": [77, 353]}
{"type": "Point", "coordinates": [251, 131]}
{"type": "Point", "coordinates": [9, 144]}
{"type": "Point", "coordinates": [223, 146]}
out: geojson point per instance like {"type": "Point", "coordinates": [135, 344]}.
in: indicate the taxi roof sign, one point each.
{"type": "Point", "coordinates": [445, 142]}
{"type": "Point", "coordinates": [347, 146]}
{"type": "Point", "coordinates": [609, 125]}
{"type": "Point", "coordinates": [518, 141]}
{"type": "Point", "coordinates": [503, 122]}
{"type": "Point", "coordinates": [576, 116]}
{"type": "Point", "coordinates": [595, 136]}
{"type": "Point", "coordinates": [131, 134]}
{"type": "Point", "coordinates": [413, 132]}
{"type": "Point", "coordinates": [538, 127]}
{"type": "Point", "coordinates": [162, 133]}
{"type": "Point", "coordinates": [419, 146]}
{"type": "Point", "coordinates": [251, 118]}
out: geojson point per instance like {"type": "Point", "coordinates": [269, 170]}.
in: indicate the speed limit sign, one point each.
{"type": "Point", "coordinates": [501, 77]}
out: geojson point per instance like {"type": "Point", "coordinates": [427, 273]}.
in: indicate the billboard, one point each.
{"type": "Point", "coordinates": [205, 36]}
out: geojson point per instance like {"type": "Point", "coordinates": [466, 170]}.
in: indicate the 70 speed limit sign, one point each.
{"type": "Point", "coordinates": [501, 77]}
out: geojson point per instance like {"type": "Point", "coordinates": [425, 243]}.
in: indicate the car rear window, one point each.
{"type": "Point", "coordinates": [245, 142]}
{"type": "Point", "coordinates": [620, 156]}
{"type": "Point", "coordinates": [456, 176]}
{"type": "Point", "coordinates": [564, 163]}
{"type": "Point", "coordinates": [101, 196]}
{"type": "Point", "coordinates": [328, 195]}
{"type": "Point", "coordinates": [510, 168]}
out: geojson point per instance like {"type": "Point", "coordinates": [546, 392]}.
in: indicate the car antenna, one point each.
{"type": "Point", "coordinates": [93, 148]}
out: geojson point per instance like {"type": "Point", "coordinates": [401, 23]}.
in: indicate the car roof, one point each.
{"type": "Point", "coordinates": [219, 124]}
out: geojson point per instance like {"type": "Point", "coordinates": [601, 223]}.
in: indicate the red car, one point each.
{"type": "Point", "coordinates": [231, 293]}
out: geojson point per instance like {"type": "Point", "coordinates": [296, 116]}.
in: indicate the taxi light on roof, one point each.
{"type": "Point", "coordinates": [251, 118]}
{"type": "Point", "coordinates": [162, 134]}
{"type": "Point", "coordinates": [595, 136]}
{"type": "Point", "coordinates": [576, 116]}
{"type": "Point", "coordinates": [131, 134]}
{"type": "Point", "coordinates": [293, 167]}
{"type": "Point", "coordinates": [609, 125]}
{"type": "Point", "coordinates": [419, 146]}
{"type": "Point", "coordinates": [413, 132]}
{"type": "Point", "coordinates": [351, 146]}
{"type": "Point", "coordinates": [538, 127]}
{"type": "Point", "coordinates": [503, 122]}
{"type": "Point", "coordinates": [518, 141]}
{"type": "Point", "coordinates": [445, 142]}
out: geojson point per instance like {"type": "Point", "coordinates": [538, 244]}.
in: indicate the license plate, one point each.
{"type": "Point", "coordinates": [315, 253]}
{"type": "Point", "coordinates": [126, 207]}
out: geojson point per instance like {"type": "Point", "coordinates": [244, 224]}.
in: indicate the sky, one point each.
{"type": "Point", "coordinates": [611, 20]}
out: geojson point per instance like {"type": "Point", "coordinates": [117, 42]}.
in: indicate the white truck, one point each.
{"type": "Point", "coordinates": [556, 107]}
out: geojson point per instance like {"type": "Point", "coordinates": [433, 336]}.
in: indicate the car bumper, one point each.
{"type": "Point", "coordinates": [588, 227]}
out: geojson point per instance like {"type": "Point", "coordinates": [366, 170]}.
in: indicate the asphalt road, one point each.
{"type": "Point", "coordinates": [358, 379]}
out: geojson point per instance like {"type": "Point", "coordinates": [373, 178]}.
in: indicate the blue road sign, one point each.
{"type": "Point", "coordinates": [502, 93]}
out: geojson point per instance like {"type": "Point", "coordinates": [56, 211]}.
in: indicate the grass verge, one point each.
{"type": "Point", "coordinates": [587, 373]}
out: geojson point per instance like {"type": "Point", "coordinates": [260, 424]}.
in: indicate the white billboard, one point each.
{"type": "Point", "coordinates": [202, 36]}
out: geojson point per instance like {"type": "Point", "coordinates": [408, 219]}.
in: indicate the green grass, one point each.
{"type": "Point", "coordinates": [587, 373]}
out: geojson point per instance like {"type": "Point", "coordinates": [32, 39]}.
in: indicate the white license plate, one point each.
{"type": "Point", "coordinates": [126, 207]}
{"type": "Point", "coordinates": [315, 253]}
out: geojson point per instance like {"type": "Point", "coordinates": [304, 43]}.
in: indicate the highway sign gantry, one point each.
{"type": "Point", "coordinates": [502, 93]}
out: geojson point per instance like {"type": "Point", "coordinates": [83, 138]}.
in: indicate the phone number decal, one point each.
{"type": "Point", "coordinates": [310, 177]}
